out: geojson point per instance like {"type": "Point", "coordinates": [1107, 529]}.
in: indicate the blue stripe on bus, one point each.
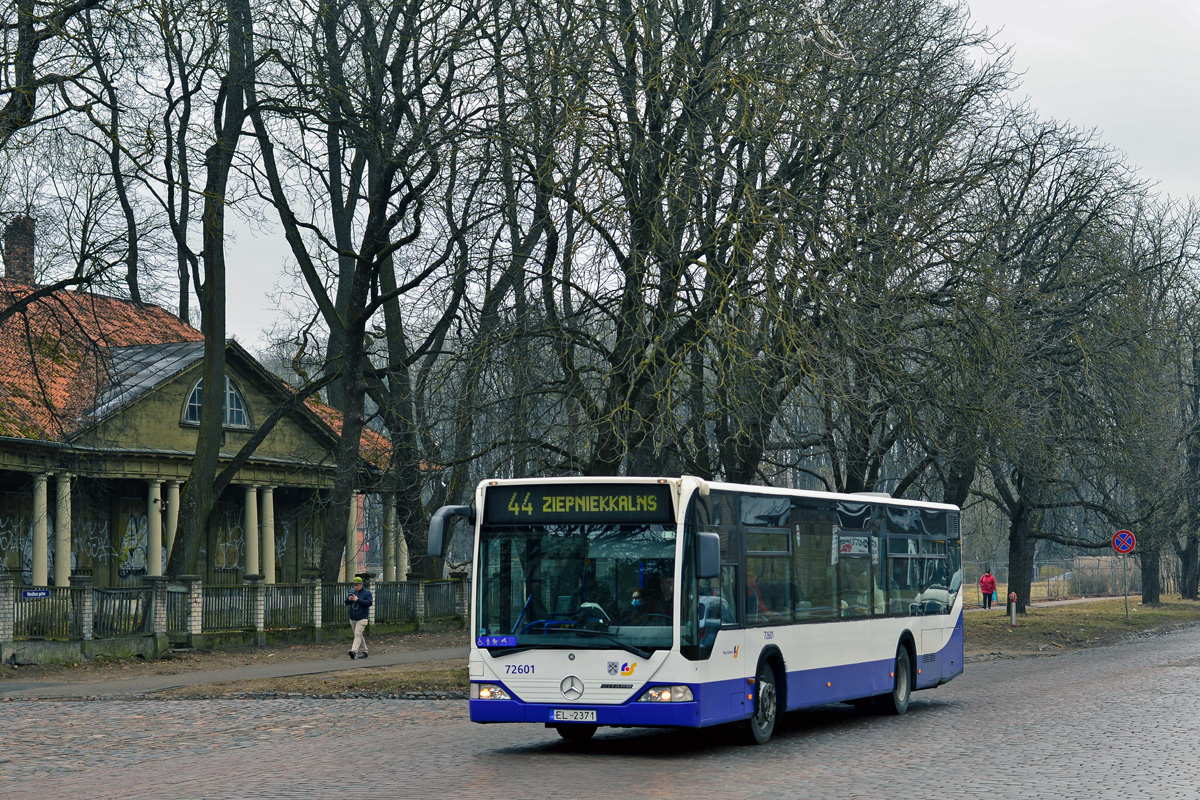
{"type": "Point", "coordinates": [727, 701]}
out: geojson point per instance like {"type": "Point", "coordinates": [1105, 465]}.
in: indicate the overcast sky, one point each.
{"type": "Point", "coordinates": [1128, 68]}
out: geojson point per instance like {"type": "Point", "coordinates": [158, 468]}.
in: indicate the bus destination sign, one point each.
{"type": "Point", "coordinates": [543, 503]}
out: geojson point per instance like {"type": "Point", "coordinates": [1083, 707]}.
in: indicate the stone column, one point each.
{"type": "Point", "coordinates": [157, 584]}
{"type": "Point", "coordinates": [87, 605]}
{"type": "Point", "coordinates": [8, 607]}
{"type": "Point", "coordinates": [40, 565]}
{"type": "Point", "coordinates": [352, 538]}
{"type": "Point", "coordinates": [268, 534]}
{"type": "Point", "coordinates": [389, 538]}
{"type": "Point", "coordinates": [172, 521]}
{"type": "Point", "coordinates": [401, 555]}
{"type": "Point", "coordinates": [62, 531]}
{"type": "Point", "coordinates": [250, 528]}
{"type": "Point", "coordinates": [154, 527]}
{"type": "Point", "coordinates": [195, 613]}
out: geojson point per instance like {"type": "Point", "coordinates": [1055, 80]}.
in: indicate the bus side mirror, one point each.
{"type": "Point", "coordinates": [437, 527]}
{"type": "Point", "coordinates": [708, 546]}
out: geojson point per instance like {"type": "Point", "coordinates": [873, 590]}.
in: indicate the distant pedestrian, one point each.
{"type": "Point", "coordinates": [359, 601]}
{"type": "Point", "coordinates": [987, 587]}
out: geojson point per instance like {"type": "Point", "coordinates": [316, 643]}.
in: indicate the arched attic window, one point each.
{"type": "Point", "coordinates": [237, 414]}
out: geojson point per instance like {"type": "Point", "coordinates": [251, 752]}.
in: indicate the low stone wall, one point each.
{"type": "Point", "coordinates": [25, 652]}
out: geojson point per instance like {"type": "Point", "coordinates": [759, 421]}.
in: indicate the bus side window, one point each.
{"type": "Point", "coordinates": [813, 573]}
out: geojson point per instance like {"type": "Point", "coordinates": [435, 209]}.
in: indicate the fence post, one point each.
{"type": "Point", "coordinates": [315, 598]}
{"type": "Point", "coordinates": [462, 593]}
{"type": "Point", "coordinates": [422, 611]}
{"type": "Point", "coordinates": [8, 610]}
{"type": "Point", "coordinates": [157, 613]}
{"type": "Point", "coordinates": [195, 606]}
{"type": "Point", "coordinates": [258, 606]}
{"type": "Point", "coordinates": [84, 594]}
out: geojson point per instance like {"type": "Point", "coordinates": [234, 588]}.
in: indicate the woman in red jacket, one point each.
{"type": "Point", "coordinates": [987, 585]}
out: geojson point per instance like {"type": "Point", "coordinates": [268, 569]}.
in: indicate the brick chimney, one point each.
{"type": "Point", "coordinates": [18, 250]}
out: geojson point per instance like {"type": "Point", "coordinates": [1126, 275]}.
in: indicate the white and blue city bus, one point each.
{"type": "Point", "coordinates": [679, 602]}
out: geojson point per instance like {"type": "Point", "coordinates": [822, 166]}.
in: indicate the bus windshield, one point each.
{"type": "Point", "coordinates": [576, 585]}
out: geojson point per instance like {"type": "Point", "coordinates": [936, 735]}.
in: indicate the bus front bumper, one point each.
{"type": "Point", "coordinates": [713, 704]}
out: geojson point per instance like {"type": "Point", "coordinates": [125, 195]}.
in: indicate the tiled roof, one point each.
{"type": "Point", "coordinates": [51, 355]}
{"type": "Point", "coordinates": [73, 357]}
{"type": "Point", "coordinates": [373, 446]}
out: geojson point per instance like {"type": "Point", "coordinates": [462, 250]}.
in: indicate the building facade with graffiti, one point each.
{"type": "Point", "coordinates": [99, 414]}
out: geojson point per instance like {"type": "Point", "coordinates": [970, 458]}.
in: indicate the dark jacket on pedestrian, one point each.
{"type": "Point", "coordinates": [358, 608]}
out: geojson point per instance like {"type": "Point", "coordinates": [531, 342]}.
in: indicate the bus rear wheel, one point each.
{"type": "Point", "coordinates": [896, 702]}
{"type": "Point", "coordinates": [576, 733]}
{"type": "Point", "coordinates": [761, 725]}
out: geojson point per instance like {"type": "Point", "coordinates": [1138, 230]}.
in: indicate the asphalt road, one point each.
{"type": "Point", "coordinates": [1117, 722]}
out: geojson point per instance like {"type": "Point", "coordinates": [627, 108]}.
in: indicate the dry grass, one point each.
{"type": "Point", "coordinates": [1054, 629]}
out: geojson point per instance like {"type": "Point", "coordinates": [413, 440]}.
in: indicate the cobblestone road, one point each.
{"type": "Point", "coordinates": [1119, 722]}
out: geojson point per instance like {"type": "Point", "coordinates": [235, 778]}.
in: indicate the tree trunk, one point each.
{"type": "Point", "coordinates": [1151, 583]}
{"type": "Point", "coordinates": [197, 499]}
{"type": "Point", "coordinates": [1021, 548]}
{"type": "Point", "coordinates": [1189, 568]}
{"type": "Point", "coordinates": [345, 477]}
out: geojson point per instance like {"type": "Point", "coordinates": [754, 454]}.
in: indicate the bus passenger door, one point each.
{"type": "Point", "coordinates": [724, 640]}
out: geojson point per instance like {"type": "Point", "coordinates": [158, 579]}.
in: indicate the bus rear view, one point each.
{"type": "Point", "coordinates": [680, 603]}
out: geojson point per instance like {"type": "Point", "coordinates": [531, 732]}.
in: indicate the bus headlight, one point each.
{"type": "Point", "coordinates": [489, 691]}
{"type": "Point", "coordinates": [667, 694]}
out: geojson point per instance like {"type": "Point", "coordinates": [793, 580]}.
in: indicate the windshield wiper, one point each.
{"type": "Point", "coordinates": [628, 648]}
{"type": "Point", "coordinates": [508, 651]}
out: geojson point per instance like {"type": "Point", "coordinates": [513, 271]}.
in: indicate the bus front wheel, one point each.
{"type": "Point", "coordinates": [576, 733]}
{"type": "Point", "coordinates": [761, 725]}
{"type": "Point", "coordinates": [897, 701]}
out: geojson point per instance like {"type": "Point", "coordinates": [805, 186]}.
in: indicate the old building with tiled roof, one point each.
{"type": "Point", "coordinates": [99, 413]}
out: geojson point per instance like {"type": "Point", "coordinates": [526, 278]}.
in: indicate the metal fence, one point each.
{"type": "Point", "coordinates": [396, 602]}
{"type": "Point", "coordinates": [228, 608]}
{"type": "Point", "coordinates": [439, 599]}
{"type": "Point", "coordinates": [288, 606]}
{"type": "Point", "coordinates": [53, 613]}
{"type": "Point", "coordinates": [120, 612]}
{"type": "Point", "coordinates": [1083, 576]}
{"type": "Point", "coordinates": [58, 613]}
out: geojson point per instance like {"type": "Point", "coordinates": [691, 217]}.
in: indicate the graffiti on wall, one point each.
{"type": "Point", "coordinates": [131, 553]}
{"type": "Point", "coordinates": [229, 541]}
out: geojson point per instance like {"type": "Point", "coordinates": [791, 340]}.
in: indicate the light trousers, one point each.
{"type": "Point", "coordinates": [359, 626]}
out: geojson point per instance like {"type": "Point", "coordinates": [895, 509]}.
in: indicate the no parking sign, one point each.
{"type": "Point", "coordinates": [1124, 542]}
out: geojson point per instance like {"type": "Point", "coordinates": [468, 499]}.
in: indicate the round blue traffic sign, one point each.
{"type": "Point", "coordinates": [1123, 541]}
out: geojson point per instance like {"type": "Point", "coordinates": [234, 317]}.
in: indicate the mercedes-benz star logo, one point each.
{"type": "Point", "coordinates": [572, 687]}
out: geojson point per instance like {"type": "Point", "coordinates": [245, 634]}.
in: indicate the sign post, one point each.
{"type": "Point", "coordinates": [1123, 542]}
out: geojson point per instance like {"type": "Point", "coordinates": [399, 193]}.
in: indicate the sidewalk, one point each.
{"type": "Point", "coordinates": [19, 690]}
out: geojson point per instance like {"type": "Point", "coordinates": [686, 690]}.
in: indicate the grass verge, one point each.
{"type": "Point", "coordinates": [433, 678]}
{"type": "Point", "coordinates": [1055, 629]}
